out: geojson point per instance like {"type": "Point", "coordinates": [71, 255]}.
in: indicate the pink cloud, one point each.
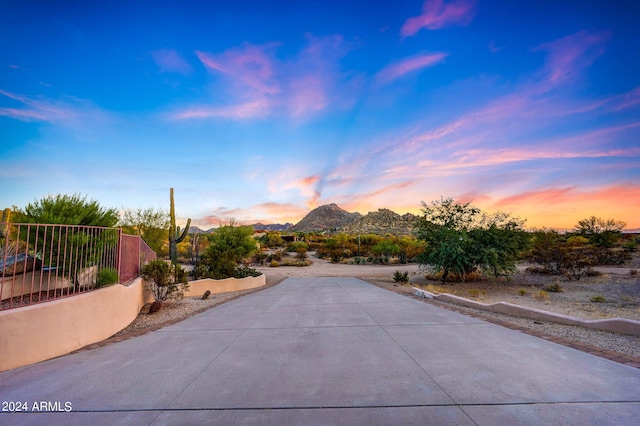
{"type": "Point", "coordinates": [308, 187]}
{"type": "Point", "coordinates": [255, 108]}
{"type": "Point", "coordinates": [76, 113]}
{"type": "Point", "coordinates": [265, 213]}
{"type": "Point", "coordinates": [407, 65]}
{"type": "Point", "coordinates": [307, 96]}
{"type": "Point", "coordinates": [170, 60]}
{"type": "Point", "coordinates": [438, 14]}
{"type": "Point", "coordinates": [249, 67]}
{"type": "Point", "coordinates": [568, 56]}
{"type": "Point", "coordinates": [255, 83]}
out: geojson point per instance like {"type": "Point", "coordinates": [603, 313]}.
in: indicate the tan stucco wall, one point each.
{"type": "Point", "coordinates": [39, 332]}
{"type": "Point", "coordinates": [197, 288]}
{"type": "Point", "coordinates": [47, 330]}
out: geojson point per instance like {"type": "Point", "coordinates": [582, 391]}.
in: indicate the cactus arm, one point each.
{"type": "Point", "coordinates": [174, 232]}
{"type": "Point", "coordinates": [184, 233]}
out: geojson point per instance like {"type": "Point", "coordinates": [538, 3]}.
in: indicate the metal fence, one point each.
{"type": "Point", "coordinates": [45, 262]}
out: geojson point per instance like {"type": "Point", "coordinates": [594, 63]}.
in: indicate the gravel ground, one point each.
{"type": "Point", "coordinates": [621, 343]}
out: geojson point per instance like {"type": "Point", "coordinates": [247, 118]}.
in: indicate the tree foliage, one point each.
{"type": "Point", "coordinates": [68, 210]}
{"type": "Point", "coordinates": [459, 238]}
{"type": "Point", "coordinates": [601, 232]}
{"type": "Point", "coordinates": [152, 225]}
{"type": "Point", "coordinates": [272, 239]}
{"type": "Point", "coordinates": [571, 255]}
{"type": "Point", "coordinates": [228, 246]}
{"type": "Point", "coordinates": [72, 249]}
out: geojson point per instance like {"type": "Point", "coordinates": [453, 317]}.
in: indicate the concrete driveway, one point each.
{"type": "Point", "coordinates": [326, 351]}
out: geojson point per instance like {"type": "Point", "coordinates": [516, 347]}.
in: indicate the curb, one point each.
{"type": "Point", "coordinates": [615, 325]}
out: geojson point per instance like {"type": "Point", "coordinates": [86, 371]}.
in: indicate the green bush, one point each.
{"type": "Point", "coordinates": [165, 281]}
{"type": "Point", "coordinates": [554, 288]}
{"type": "Point", "coordinates": [244, 272]}
{"type": "Point", "coordinates": [228, 247]}
{"type": "Point", "coordinates": [106, 277]}
{"type": "Point", "coordinates": [598, 299]}
{"type": "Point", "coordinates": [401, 277]}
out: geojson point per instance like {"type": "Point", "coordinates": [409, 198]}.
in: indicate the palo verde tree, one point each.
{"type": "Point", "coordinates": [600, 232]}
{"type": "Point", "coordinates": [71, 245]}
{"type": "Point", "coordinates": [152, 225]}
{"type": "Point", "coordinates": [459, 238]}
{"type": "Point", "coordinates": [68, 210]}
{"type": "Point", "coordinates": [228, 246]}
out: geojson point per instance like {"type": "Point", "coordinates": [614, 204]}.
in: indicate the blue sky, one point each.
{"type": "Point", "coordinates": [261, 111]}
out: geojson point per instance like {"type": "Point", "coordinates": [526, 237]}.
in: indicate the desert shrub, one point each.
{"type": "Point", "coordinates": [454, 277]}
{"type": "Point", "coordinates": [259, 258]}
{"type": "Point", "coordinates": [274, 264]}
{"type": "Point", "coordinates": [538, 270]}
{"type": "Point", "coordinates": [298, 263]}
{"type": "Point", "coordinates": [474, 292]}
{"type": "Point", "coordinates": [612, 256]}
{"type": "Point", "coordinates": [271, 239]}
{"type": "Point", "coordinates": [554, 288]}
{"type": "Point", "coordinates": [277, 256]}
{"type": "Point", "coordinates": [300, 248]}
{"type": "Point", "coordinates": [106, 277]}
{"type": "Point", "coordinates": [555, 255]}
{"type": "Point", "coordinates": [244, 272]}
{"type": "Point", "coordinates": [522, 291]}
{"type": "Point", "coordinates": [386, 248]}
{"type": "Point", "coordinates": [598, 299]}
{"type": "Point", "coordinates": [401, 277]}
{"type": "Point", "coordinates": [164, 281]}
{"type": "Point", "coordinates": [542, 295]}
{"type": "Point", "coordinates": [228, 246]}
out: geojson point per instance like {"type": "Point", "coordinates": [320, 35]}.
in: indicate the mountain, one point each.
{"type": "Point", "coordinates": [196, 230]}
{"type": "Point", "coordinates": [384, 221]}
{"type": "Point", "coordinates": [272, 227]}
{"type": "Point", "coordinates": [327, 217]}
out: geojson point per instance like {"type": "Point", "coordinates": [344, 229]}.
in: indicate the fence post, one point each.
{"type": "Point", "coordinates": [119, 255]}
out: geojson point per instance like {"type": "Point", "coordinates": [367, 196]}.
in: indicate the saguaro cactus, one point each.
{"type": "Point", "coordinates": [174, 232]}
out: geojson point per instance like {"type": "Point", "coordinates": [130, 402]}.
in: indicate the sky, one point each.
{"type": "Point", "coordinates": [259, 111]}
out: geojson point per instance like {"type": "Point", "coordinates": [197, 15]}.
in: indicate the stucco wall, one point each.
{"type": "Point", "coordinates": [39, 332]}
{"type": "Point", "coordinates": [198, 287]}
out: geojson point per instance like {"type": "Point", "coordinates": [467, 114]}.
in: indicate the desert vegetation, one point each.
{"type": "Point", "coordinates": [452, 241]}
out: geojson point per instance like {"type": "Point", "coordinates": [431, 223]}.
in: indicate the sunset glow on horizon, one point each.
{"type": "Point", "coordinates": [262, 111]}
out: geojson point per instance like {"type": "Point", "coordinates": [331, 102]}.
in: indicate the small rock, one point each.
{"type": "Point", "coordinates": [155, 307]}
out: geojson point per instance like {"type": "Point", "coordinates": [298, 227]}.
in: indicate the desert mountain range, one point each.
{"type": "Point", "coordinates": [331, 217]}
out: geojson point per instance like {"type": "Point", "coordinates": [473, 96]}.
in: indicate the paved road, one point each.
{"type": "Point", "coordinates": [328, 351]}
